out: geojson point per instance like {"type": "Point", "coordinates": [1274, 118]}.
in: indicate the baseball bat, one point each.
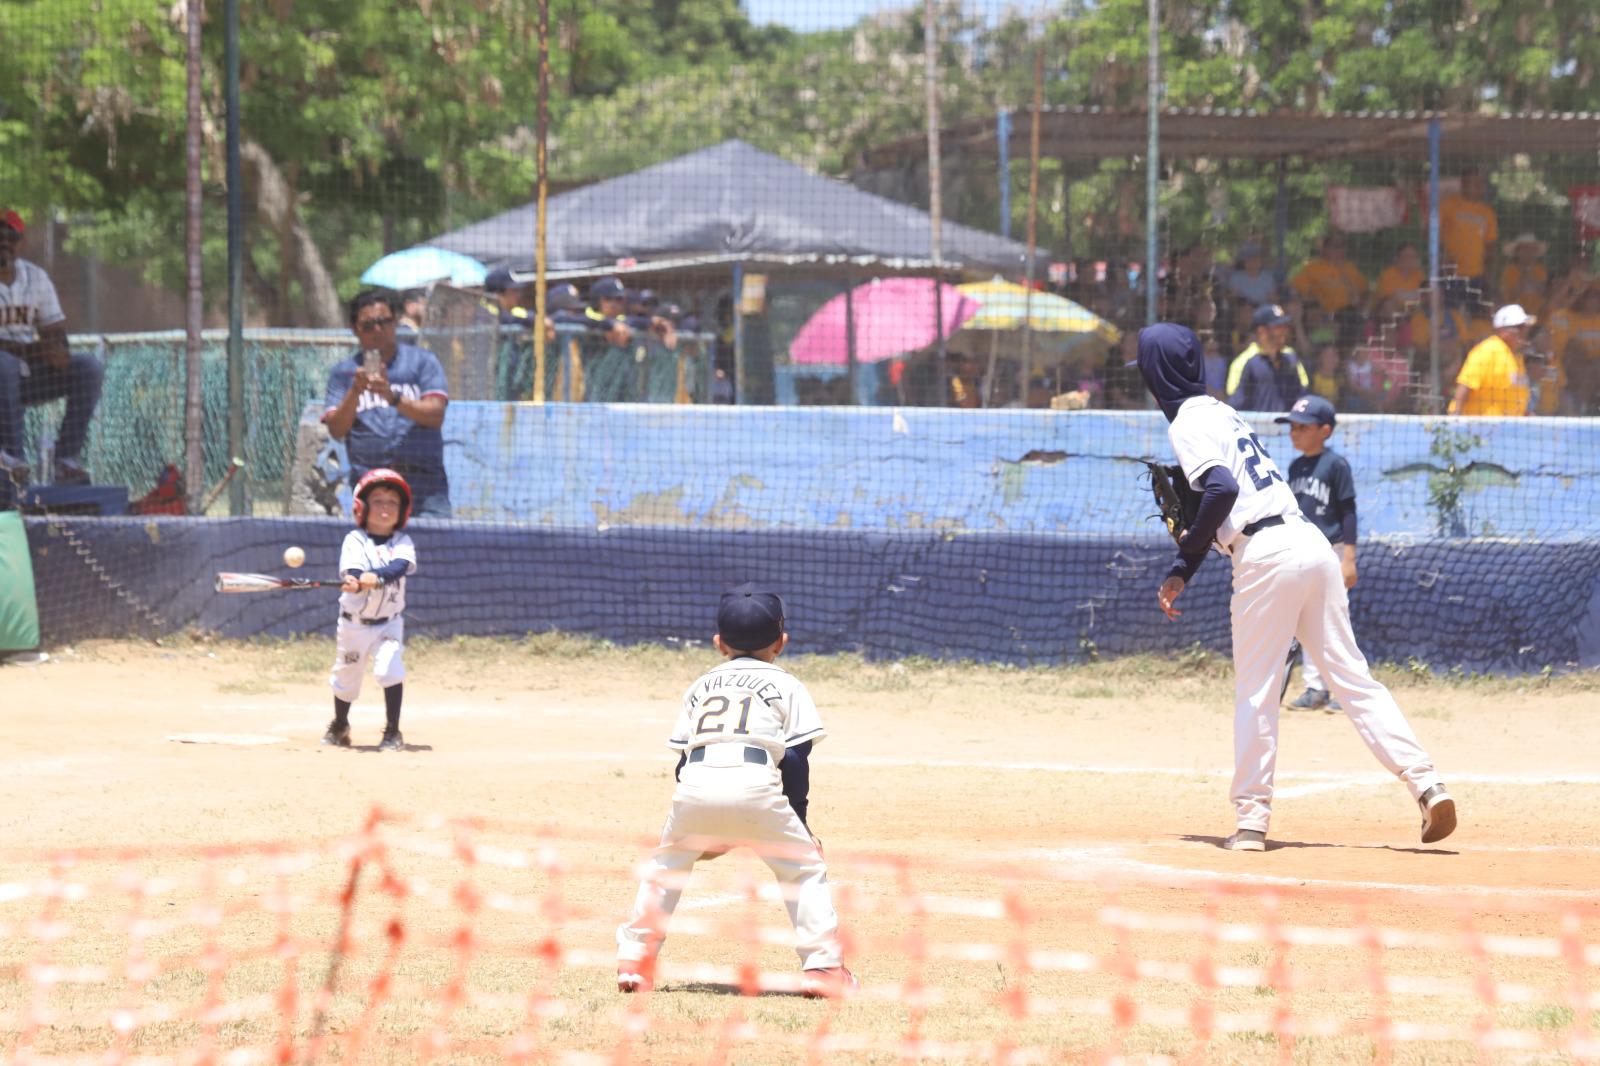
{"type": "Point", "coordinates": [231, 582]}
{"type": "Point", "coordinates": [234, 466]}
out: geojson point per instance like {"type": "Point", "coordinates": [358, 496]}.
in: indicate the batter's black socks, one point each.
{"type": "Point", "coordinates": [391, 706]}
{"type": "Point", "coordinates": [341, 712]}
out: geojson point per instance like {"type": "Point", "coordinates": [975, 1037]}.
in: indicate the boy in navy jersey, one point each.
{"type": "Point", "coordinates": [1322, 484]}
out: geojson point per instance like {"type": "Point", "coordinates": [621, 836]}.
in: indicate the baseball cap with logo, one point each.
{"type": "Point", "coordinates": [8, 217]}
{"type": "Point", "coordinates": [608, 289]}
{"type": "Point", "coordinates": [499, 280]}
{"type": "Point", "coordinates": [749, 618]}
{"type": "Point", "coordinates": [1511, 316]}
{"type": "Point", "coordinates": [1270, 315]}
{"type": "Point", "coordinates": [1309, 411]}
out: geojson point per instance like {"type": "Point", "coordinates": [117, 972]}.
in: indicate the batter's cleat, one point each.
{"type": "Point", "coordinates": [1312, 699]}
{"type": "Point", "coordinates": [639, 976]}
{"type": "Point", "coordinates": [1438, 814]}
{"type": "Point", "coordinates": [1246, 840]}
{"type": "Point", "coordinates": [338, 735]}
{"type": "Point", "coordinates": [392, 741]}
{"type": "Point", "coordinates": [834, 982]}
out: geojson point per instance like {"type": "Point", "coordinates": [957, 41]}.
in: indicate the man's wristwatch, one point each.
{"type": "Point", "coordinates": [395, 395]}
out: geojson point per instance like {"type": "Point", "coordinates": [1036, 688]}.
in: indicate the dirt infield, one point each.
{"type": "Point", "coordinates": [1093, 798]}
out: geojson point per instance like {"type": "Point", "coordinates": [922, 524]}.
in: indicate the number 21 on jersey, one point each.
{"type": "Point", "coordinates": [716, 707]}
{"type": "Point", "coordinates": [1255, 452]}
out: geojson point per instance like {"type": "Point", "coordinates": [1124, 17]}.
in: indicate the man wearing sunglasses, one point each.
{"type": "Point", "coordinates": [36, 366]}
{"type": "Point", "coordinates": [387, 403]}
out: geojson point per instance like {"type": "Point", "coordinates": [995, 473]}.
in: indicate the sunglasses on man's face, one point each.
{"type": "Point", "coordinates": [367, 325]}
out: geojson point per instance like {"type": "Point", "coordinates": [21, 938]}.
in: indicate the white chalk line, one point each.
{"type": "Point", "coordinates": [1113, 859]}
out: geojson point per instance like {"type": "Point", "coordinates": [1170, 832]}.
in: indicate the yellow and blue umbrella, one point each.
{"type": "Point", "coordinates": [1004, 306]}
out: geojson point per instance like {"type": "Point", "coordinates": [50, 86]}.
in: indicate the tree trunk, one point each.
{"type": "Point", "coordinates": [275, 204]}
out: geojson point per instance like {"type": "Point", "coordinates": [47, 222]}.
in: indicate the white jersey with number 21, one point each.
{"type": "Point", "coordinates": [1209, 433]}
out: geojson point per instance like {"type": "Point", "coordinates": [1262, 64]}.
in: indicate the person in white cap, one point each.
{"type": "Point", "coordinates": [1494, 379]}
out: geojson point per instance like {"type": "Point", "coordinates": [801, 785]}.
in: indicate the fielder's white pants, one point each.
{"type": "Point", "coordinates": [1286, 584]}
{"type": "Point", "coordinates": [357, 643]}
{"type": "Point", "coordinates": [736, 802]}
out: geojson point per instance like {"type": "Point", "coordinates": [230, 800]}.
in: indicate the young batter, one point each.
{"type": "Point", "coordinates": [1286, 584]}
{"type": "Point", "coordinates": [375, 560]}
{"type": "Point", "coordinates": [745, 734]}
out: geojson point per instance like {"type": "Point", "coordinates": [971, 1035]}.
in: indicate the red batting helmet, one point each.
{"type": "Point", "coordinates": [10, 218]}
{"type": "Point", "coordinates": [372, 479]}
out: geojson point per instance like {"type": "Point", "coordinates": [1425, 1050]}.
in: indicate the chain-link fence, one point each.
{"type": "Point", "coordinates": [704, 203]}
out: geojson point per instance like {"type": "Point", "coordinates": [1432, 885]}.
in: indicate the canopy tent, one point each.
{"type": "Point", "coordinates": [727, 204]}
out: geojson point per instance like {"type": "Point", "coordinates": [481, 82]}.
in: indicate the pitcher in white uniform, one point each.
{"type": "Point", "coordinates": [1286, 584]}
{"type": "Point", "coordinates": [744, 735]}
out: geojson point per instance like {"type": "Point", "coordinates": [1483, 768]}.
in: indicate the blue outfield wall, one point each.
{"type": "Point", "coordinates": [892, 533]}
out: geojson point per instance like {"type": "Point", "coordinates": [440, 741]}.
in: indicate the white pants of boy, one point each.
{"type": "Point", "coordinates": [1287, 583]}
{"type": "Point", "coordinates": [739, 801]}
{"type": "Point", "coordinates": [356, 643]}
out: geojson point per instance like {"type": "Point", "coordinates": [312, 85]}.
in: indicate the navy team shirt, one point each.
{"type": "Point", "coordinates": [1325, 489]}
{"type": "Point", "coordinates": [381, 435]}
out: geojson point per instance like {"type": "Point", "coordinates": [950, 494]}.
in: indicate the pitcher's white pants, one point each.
{"type": "Point", "coordinates": [1286, 584]}
{"type": "Point", "coordinates": [356, 643]}
{"type": "Point", "coordinates": [742, 802]}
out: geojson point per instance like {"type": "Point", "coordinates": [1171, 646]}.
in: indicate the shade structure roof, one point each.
{"type": "Point", "coordinates": [1101, 132]}
{"type": "Point", "coordinates": [727, 203]}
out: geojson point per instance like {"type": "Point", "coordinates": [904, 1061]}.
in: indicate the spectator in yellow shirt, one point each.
{"type": "Point", "coordinates": [1575, 343]}
{"type": "Point", "coordinates": [1524, 281]}
{"type": "Point", "coordinates": [1494, 379]}
{"type": "Point", "coordinates": [1468, 229]}
{"type": "Point", "coordinates": [1330, 279]}
{"type": "Point", "coordinates": [1404, 279]}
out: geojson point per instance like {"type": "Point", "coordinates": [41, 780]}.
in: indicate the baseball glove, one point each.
{"type": "Point", "coordinates": [1178, 501]}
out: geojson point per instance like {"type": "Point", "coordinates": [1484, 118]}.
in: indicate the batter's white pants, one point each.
{"type": "Point", "coordinates": [1287, 583]}
{"type": "Point", "coordinates": [356, 643]}
{"type": "Point", "coordinates": [737, 802]}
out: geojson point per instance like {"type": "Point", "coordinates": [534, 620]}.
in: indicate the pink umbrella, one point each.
{"type": "Point", "coordinates": [892, 316]}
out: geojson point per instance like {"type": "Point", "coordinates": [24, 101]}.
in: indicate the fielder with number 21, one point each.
{"type": "Point", "coordinates": [744, 737]}
{"type": "Point", "coordinates": [1286, 583]}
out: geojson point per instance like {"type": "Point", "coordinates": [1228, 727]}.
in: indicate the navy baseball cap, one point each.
{"type": "Point", "coordinates": [1269, 315]}
{"type": "Point", "coordinates": [608, 289]}
{"type": "Point", "coordinates": [563, 297]}
{"type": "Point", "coordinates": [749, 618]}
{"type": "Point", "coordinates": [1309, 411]}
{"type": "Point", "coordinates": [499, 280]}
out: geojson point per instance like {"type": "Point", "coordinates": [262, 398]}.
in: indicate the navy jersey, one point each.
{"type": "Point", "coordinates": [381, 435]}
{"type": "Point", "coordinates": [1325, 490]}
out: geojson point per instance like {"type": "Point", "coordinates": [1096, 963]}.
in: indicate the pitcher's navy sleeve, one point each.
{"type": "Point", "coordinates": [1347, 524]}
{"type": "Point", "coordinates": [796, 771]}
{"type": "Point", "coordinates": [1221, 492]}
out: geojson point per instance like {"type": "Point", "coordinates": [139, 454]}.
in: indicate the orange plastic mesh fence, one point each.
{"type": "Point", "coordinates": [431, 939]}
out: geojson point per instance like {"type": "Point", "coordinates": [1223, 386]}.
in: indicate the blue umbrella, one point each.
{"type": "Point", "coordinates": [412, 268]}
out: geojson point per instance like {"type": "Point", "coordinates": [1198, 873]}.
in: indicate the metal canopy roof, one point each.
{"type": "Point", "coordinates": [1098, 132]}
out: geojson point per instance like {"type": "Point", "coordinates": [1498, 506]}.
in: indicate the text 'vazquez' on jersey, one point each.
{"type": "Point", "coordinates": [749, 702]}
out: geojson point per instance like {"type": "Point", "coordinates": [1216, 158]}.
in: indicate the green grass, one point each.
{"type": "Point", "coordinates": [1098, 678]}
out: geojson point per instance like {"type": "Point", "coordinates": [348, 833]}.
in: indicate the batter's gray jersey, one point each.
{"type": "Point", "coordinates": [361, 552]}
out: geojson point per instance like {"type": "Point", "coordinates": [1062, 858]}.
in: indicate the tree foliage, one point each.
{"type": "Point", "coordinates": [389, 122]}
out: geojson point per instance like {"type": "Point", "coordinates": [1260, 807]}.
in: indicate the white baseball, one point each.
{"type": "Point", "coordinates": [294, 556]}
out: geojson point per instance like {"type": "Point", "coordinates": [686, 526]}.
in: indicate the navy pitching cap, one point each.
{"type": "Point", "coordinates": [749, 618]}
{"type": "Point", "coordinates": [1270, 315]}
{"type": "Point", "coordinates": [499, 280]}
{"type": "Point", "coordinates": [608, 289]}
{"type": "Point", "coordinates": [1309, 411]}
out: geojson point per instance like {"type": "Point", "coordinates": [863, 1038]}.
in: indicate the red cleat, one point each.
{"type": "Point", "coordinates": [835, 982]}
